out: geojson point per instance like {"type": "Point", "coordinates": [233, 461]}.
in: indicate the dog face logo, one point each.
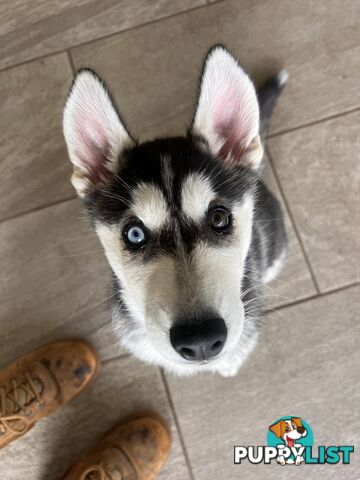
{"type": "Point", "coordinates": [289, 431]}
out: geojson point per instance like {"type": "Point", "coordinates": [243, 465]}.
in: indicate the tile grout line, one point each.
{"type": "Point", "coordinates": [33, 59]}
{"type": "Point", "coordinates": [177, 424]}
{"type": "Point", "coordinates": [37, 209]}
{"type": "Point", "coordinates": [110, 35]}
{"type": "Point", "coordinates": [65, 199]}
{"type": "Point", "coordinates": [71, 60]}
{"type": "Point", "coordinates": [315, 297]}
{"type": "Point", "coordinates": [116, 357]}
{"type": "Point", "coordinates": [140, 25]}
{"type": "Point", "coordinates": [291, 217]}
{"type": "Point", "coordinates": [311, 124]}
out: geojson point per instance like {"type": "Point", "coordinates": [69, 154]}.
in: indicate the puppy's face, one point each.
{"type": "Point", "coordinates": [292, 431]}
{"type": "Point", "coordinates": [176, 238]}
{"type": "Point", "coordinates": [174, 217]}
{"type": "Point", "coordinates": [289, 430]}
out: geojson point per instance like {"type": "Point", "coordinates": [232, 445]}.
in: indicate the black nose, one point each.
{"type": "Point", "coordinates": [199, 340]}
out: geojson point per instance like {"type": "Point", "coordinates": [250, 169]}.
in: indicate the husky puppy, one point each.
{"type": "Point", "coordinates": [190, 231]}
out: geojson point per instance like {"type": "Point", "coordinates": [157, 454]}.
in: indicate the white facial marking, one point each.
{"type": "Point", "coordinates": [243, 216]}
{"type": "Point", "coordinates": [110, 238]}
{"type": "Point", "coordinates": [196, 195]}
{"type": "Point", "coordinates": [149, 205]}
{"type": "Point", "coordinates": [293, 432]}
{"type": "Point", "coordinates": [289, 423]}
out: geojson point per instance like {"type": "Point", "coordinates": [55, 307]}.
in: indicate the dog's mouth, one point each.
{"type": "Point", "coordinates": [290, 441]}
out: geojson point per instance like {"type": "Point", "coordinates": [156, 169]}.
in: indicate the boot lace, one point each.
{"type": "Point", "coordinates": [14, 404]}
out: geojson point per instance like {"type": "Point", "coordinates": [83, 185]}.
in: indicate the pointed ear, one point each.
{"type": "Point", "coordinates": [278, 428]}
{"type": "Point", "coordinates": [94, 133]}
{"type": "Point", "coordinates": [297, 421]}
{"type": "Point", "coordinates": [227, 114]}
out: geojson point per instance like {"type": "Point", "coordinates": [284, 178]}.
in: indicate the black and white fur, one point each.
{"type": "Point", "coordinates": [185, 270]}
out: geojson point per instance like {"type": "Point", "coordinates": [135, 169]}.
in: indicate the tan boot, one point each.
{"type": "Point", "coordinates": [134, 450]}
{"type": "Point", "coordinates": [40, 382]}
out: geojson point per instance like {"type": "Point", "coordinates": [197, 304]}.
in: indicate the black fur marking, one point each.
{"type": "Point", "coordinates": [143, 164]}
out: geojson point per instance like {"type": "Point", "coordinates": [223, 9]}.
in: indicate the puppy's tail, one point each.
{"type": "Point", "coordinates": [268, 95]}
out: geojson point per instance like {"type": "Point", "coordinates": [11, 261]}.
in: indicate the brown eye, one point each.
{"type": "Point", "coordinates": [220, 219]}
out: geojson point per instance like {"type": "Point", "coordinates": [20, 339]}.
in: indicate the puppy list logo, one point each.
{"type": "Point", "coordinates": [290, 441]}
{"type": "Point", "coordinates": [290, 435]}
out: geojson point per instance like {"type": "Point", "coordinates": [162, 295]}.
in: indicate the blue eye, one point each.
{"type": "Point", "coordinates": [135, 235]}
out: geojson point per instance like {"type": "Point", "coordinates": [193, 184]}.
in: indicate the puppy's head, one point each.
{"type": "Point", "coordinates": [289, 430]}
{"type": "Point", "coordinates": [296, 430]}
{"type": "Point", "coordinates": [174, 215]}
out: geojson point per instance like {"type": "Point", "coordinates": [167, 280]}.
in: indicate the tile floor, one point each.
{"type": "Point", "coordinates": [55, 282]}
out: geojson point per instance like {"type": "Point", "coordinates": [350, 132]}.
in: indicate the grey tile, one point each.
{"type": "Point", "coordinates": [306, 364]}
{"type": "Point", "coordinates": [123, 387]}
{"type": "Point", "coordinates": [153, 70]}
{"type": "Point", "coordinates": [34, 166]}
{"type": "Point", "coordinates": [32, 29]}
{"type": "Point", "coordinates": [294, 282]}
{"type": "Point", "coordinates": [319, 171]}
{"type": "Point", "coordinates": [54, 282]}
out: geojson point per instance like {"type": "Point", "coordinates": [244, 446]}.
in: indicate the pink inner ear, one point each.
{"type": "Point", "coordinates": [231, 123]}
{"type": "Point", "coordinates": [92, 149]}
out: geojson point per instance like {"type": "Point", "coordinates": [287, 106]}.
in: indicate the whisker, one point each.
{"type": "Point", "coordinates": [107, 326]}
